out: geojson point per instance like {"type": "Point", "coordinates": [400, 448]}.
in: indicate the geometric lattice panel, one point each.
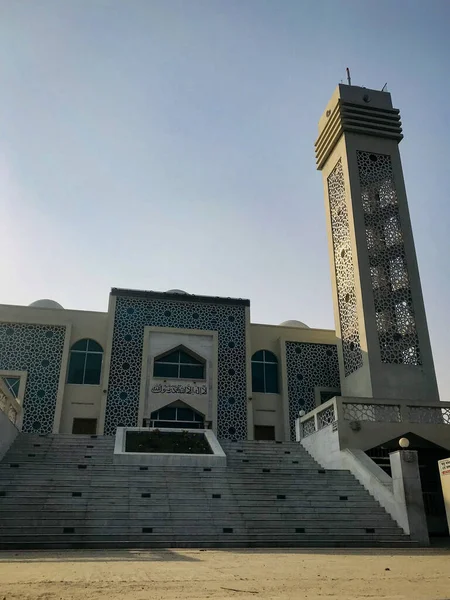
{"type": "Point", "coordinates": [345, 277]}
{"type": "Point", "coordinates": [387, 413]}
{"type": "Point", "coordinates": [135, 313]}
{"type": "Point", "coordinates": [38, 350]}
{"type": "Point", "coordinates": [309, 366]}
{"type": "Point", "coordinates": [395, 319]}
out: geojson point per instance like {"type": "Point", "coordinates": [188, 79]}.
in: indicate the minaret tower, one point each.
{"type": "Point", "coordinates": [384, 345]}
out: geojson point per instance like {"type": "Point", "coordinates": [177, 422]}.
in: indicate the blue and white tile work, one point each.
{"type": "Point", "coordinates": [309, 366]}
{"type": "Point", "coordinates": [38, 350]}
{"type": "Point", "coordinates": [134, 312]}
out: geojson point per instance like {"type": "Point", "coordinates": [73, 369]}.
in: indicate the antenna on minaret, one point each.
{"type": "Point", "coordinates": [384, 87]}
{"type": "Point", "coordinates": [349, 79]}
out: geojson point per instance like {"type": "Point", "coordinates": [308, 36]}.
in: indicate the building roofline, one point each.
{"type": "Point", "coordinates": [294, 327]}
{"type": "Point", "coordinates": [61, 310]}
{"type": "Point", "coordinates": [178, 297]}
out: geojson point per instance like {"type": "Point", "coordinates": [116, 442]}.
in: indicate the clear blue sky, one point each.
{"type": "Point", "coordinates": [155, 144]}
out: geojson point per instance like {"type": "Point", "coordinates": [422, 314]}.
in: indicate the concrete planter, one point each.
{"type": "Point", "coordinates": [216, 459]}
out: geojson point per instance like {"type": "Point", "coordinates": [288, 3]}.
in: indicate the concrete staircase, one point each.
{"type": "Point", "coordinates": [64, 491]}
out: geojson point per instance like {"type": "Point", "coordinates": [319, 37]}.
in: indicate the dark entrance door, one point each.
{"type": "Point", "coordinates": [428, 454]}
{"type": "Point", "coordinates": [264, 432]}
{"type": "Point", "coordinates": [84, 426]}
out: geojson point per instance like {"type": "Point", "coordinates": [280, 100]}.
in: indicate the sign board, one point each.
{"type": "Point", "coordinates": [444, 471]}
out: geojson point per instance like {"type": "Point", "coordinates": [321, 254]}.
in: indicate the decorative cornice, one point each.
{"type": "Point", "coordinates": [348, 117]}
{"type": "Point", "coordinates": [178, 297]}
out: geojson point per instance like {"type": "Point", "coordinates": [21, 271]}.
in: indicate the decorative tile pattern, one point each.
{"type": "Point", "coordinates": [38, 350]}
{"type": "Point", "coordinates": [308, 427]}
{"type": "Point", "coordinates": [384, 413]}
{"type": "Point", "coordinates": [431, 415]}
{"type": "Point", "coordinates": [345, 276]}
{"type": "Point", "coordinates": [326, 417]}
{"type": "Point", "coordinates": [309, 366]}
{"type": "Point", "coordinates": [133, 314]}
{"type": "Point", "coordinates": [394, 308]}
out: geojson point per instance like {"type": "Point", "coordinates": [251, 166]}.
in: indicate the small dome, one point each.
{"type": "Point", "coordinates": [45, 303]}
{"type": "Point", "coordinates": [294, 323]}
{"type": "Point", "coordinates": [175, 291]}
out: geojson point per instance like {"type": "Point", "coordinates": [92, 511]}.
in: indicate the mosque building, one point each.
{"type": "Point", "coordinates": [176, 358]}
{"type": "Point", "coordinates": [180, 360]}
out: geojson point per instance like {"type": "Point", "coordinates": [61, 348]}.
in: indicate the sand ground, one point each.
{"type": "Point", "coordinates": [195, 574]}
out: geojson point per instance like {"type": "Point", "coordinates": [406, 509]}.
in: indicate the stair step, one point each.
{"type": "Point", "coordinates": [279, 498]}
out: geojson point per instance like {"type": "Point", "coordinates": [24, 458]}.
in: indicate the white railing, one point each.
{"type": "Point", "coordinates": [387, 411]}
{"type": "Point", "coordinates": [10, 406]}
{"type": "Point", "coordinates": [431, 415]}
{"type": "Point", "coordinates": [319, 418]}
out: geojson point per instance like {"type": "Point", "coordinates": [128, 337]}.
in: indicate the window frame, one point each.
{"type": "Point", "coordinates": [196, 423]}
{"type": "Point", "coordinates": [22, 385]}
{"type": "Point", "coordinates": [200, 362]}
{"type": "Point", "coordinates": [87, 352]}
{"type": "Point", "coordinates": [265, 362]}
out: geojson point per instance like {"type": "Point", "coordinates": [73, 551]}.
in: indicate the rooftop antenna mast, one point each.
{"type": "Point", "coordinates": [349, 79]}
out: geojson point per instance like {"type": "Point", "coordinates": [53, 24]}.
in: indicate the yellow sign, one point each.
{"type": "Point", "coordinates": [444, 470]}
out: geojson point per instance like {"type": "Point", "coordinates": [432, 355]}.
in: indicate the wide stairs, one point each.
{"type": "Point", "coordinates": [64, 491]}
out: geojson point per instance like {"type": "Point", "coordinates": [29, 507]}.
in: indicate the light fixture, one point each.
{"type": "Point", "coordinates": [403, 443]}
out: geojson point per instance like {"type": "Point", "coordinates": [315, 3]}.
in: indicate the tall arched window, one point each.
{"type": "Point", "coordinates": [265, 372]}
{"type": "Point", "coordinates": [85, 362]}
{"type": "Point", "coordinates": [178, 364]}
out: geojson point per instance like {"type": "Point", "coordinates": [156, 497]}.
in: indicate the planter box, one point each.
{"type": "Point", "coordinates": [217, 458]}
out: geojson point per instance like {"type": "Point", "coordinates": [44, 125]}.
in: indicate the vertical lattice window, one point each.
{"type": "Point", "coordinates": [343, 264]}
{"type": "Point", "coordinates": [394, 309]}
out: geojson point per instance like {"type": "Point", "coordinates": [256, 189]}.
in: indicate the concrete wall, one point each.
{"type": "Point", "coordinates": [84, 401]}
{"type": "Point", "coordinates": [8, 433]}
{"type": "Point", "coordinates": [273, 409]}
{"type": "Point", "coordinates": [374, 433]}
{"type": "Point", "coordinates": [73, 400]}
{"type": "Point", "coordinates": [324, 448]}
{"type": "Point", "coordinates": [88, 401]}
{"type": "Point", "coordinates": [203, 344]}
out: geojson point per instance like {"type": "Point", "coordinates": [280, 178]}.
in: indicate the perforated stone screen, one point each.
{"type": "Point", "coordinates": [38, 350]}
{"type": "Point", "coordinates": [309, 366]}
{"type": "Point", "coordinates": [394, 308]}
{"type": "Point", "coordinates": [134, 313]}
{"type": "Point", "coordinates": [345, 277]}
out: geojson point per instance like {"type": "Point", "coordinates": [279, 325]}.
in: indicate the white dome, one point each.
{"type": "Point", "coordinates": [294, 323]}
{"type": "Point", "coordinates": [175, 291]}
{"type": "Point", "coordinates": [45, 303]}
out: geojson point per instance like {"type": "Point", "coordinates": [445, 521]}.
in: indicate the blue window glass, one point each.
{"type": "Point", "coordinates": [85, 363]}
{"type": "Point", "coordinates": [12, 383]}
{"type": "Point", "coordinates": [176, 416]}
{"type": "Point", "coordinates": [178, 364]}
{"type": "Point", "coordinates": [265, 372]}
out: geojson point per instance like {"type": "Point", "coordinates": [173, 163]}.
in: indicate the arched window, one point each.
{"type": "Point", "coordinates": [178, 415]}
{"type": "Point", "coordinates": [178, 364]}
{"type": "Point", "coordinates": [265, 372]}
{"type": "Point", "coordinates": [85, 362]}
